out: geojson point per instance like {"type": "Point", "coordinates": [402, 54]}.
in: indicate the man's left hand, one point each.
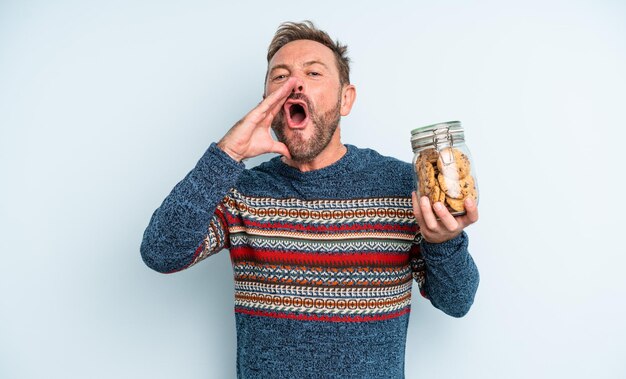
{"type": "Point", "coordinates": [448, 226]}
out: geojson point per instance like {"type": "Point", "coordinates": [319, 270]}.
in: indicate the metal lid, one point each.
{"type": "Point", "coordinates": [444, 133]}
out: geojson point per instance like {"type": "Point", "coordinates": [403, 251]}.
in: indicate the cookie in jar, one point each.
{"type": "Point", "coordinates": [443, 166]}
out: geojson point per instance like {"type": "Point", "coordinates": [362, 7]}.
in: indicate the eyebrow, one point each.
{"type": "Point", "coordinates": [309, 63]}
{"type": "Point", "coordinates": [306, 64]}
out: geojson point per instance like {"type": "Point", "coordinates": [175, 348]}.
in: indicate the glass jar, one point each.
{"type": "Point", "coordinates": [443, 166]}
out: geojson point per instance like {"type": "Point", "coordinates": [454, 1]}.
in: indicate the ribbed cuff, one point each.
{"type": "Point", "coordinates": [437, 252]}
{"type": "Point", "coordinates": [217, 170]}
{"type": "Point", "coordinates": [221, 156]}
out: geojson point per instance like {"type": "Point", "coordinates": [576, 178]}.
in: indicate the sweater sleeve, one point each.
{"type": "Point", "coordinates": [451, 278]}
{"type": "Point", "coordinates": [190, 225]}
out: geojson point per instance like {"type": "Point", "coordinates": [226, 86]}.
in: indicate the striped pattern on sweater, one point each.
{"type": "Point", "coordinates": [327, 260]}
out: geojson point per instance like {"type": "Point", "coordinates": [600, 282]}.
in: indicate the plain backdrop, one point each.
{"type": "Point", "coordinates": [106, 105]}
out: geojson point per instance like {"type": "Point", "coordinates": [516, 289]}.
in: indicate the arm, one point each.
{"type": "Point", "coordinates": [190, 224]}
{"type": "Point", "coordinates": [449, 275]}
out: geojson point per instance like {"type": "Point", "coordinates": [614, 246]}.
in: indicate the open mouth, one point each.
{"type": "Point", "coordinates": [296, 113]}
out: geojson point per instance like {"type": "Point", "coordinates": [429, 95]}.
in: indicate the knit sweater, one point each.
{"type": "Point", "coordinates": [323, 261]}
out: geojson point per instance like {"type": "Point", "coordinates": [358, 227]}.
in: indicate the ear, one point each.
{"type": "Point", "coordinates": [348, 95]}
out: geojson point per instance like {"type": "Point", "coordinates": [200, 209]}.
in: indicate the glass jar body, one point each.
{"type": "Point", "coordinates": [443, 166]}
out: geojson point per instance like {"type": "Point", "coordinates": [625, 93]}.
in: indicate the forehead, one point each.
{"type": "Point", "coordinates": [296, 53]}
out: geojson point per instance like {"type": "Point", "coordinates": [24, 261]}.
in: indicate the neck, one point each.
{"type": "Point", "coordinates": [331, 154]}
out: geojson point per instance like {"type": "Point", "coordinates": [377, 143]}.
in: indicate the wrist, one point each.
{"type": "Point", "coordinates": [443, 250]}
{"type": "Point", "coordinates": [224, 147]}
{"type": "Point", "coordinates": [439, 238]}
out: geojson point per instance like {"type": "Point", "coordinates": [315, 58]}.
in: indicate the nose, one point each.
{"type": "Point", "coordinates": [299, 87]}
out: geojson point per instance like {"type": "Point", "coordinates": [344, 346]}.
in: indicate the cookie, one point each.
{"type": "Point", "coordinates": [429, 155]}
{"type": "Point", "coordinates": [473, 194]}
{"type": "Point", "coordinates": [424, 191]}
{"type": "Point", "coordinates": [435, 194]}
{"type": "Point", "coordinates": [442, 197]}
{"type": "Point", "coordinates": [468, 187]}
{"type": "Point", "coordinates": [453, 163]}
{"type": "Point", "coordinates": [451, 187]}
{"type": "Point", "coordinates": [456, 204]}
{"type": "Point", "coordinates": [426, 176]}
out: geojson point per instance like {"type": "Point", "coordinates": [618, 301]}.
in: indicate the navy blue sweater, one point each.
{"type": "Point", "coordinates": [323, 261]}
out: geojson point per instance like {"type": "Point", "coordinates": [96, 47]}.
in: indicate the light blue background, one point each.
{"type": "Point", "coordinates": [106, 105]}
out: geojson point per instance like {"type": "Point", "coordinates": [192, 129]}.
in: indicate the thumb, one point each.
{"type": "Point", "coordinates": [280, 148]}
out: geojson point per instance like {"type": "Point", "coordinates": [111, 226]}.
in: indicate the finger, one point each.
{"type": "Point", "coordinates": [416, 209]}
{"type": "Point", "coordinates": [269, 115]}
{"type": "Point", "coordinates": [427, 213]}
{"type": "Point", "coordinates": [280, 148]}
{"type": "Point", "coordinates": [446, 218]}
{"type": "Point", "coordinates": [472, 209]}
{"type": "Point", "coordinates": [471, 213]}
{"type": "Point", "coordinates": [267, 109]}
{"type": "Point", "coordinates": [277, 97]}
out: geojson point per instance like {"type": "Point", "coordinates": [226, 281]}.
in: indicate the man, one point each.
{"type": "Point", "coordinates": [323, 238]}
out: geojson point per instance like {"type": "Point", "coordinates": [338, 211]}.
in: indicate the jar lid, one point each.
{"type": "Point", "coordinates": [437, 134]}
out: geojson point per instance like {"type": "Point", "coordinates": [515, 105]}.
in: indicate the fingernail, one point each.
{"type": "Point", "coordinates": [438, 206]}
{"type": "Point", "coordinates": [424, 200]}
{"type": "Point", "coordinates": [469, 202]}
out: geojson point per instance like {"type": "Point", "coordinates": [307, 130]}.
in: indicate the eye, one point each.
{"type": "Point", "coordinates": [314, 73]}
{"type": "Point", "coordinates": [279, 77]}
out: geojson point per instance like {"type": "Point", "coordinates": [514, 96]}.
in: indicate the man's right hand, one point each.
{"type": "Point", "coordinates": [251, 136]}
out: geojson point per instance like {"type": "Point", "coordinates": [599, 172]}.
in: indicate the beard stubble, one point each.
{"type": "Point", "coordinates": [324, 126]}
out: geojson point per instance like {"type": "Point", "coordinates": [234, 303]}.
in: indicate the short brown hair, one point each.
{"type": "Point", "coordinates": [293, 31]}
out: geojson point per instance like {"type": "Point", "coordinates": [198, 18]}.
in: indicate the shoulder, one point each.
{"type": "Point", "coordinates": [376, 160]}
{"type": "Point", "coordinates": [263, 180]}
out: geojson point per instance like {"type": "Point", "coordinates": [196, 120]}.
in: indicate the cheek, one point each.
{"type": "Point", "coordinates": [325, 101]}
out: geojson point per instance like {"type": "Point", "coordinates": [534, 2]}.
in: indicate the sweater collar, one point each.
{"type": "Point", "coordinates": [345, 164]}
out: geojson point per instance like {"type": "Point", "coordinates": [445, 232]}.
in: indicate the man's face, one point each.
{"type": "Point", "coordinates": [310, 116]}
